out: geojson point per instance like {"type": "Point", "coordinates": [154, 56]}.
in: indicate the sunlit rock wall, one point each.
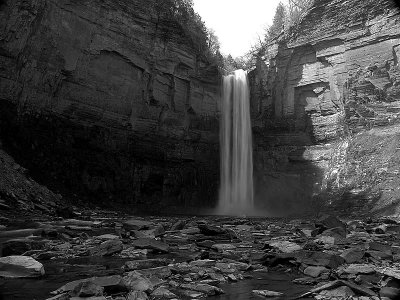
{"type": "Point", "coordinates": [336, 75]}
{"type": "Point", "coordinates": [108, 101]}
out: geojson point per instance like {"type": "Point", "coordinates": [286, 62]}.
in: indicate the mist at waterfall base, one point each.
{"type": "Point", "coordinates": [236, 191]}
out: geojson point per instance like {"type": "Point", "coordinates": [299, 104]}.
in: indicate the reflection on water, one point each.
{"type": "Point", "coordinates": [274, 281]}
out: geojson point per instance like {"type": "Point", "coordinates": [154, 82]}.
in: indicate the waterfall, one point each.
{"type": "Point", "coordinates": [236, 193]}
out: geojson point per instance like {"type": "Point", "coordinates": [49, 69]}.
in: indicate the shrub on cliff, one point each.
{"type": "Point", "coordinates": [178, 15]}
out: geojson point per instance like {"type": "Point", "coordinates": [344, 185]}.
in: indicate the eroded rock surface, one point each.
{"type": "Point", "coordinates": [315, 96]}
{"type": "Point", "coordinates": [108, 99]}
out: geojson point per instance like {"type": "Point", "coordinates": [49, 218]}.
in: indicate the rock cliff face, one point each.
{"type": "Point", "coordinates": [315, 100]}
{"type": "Point", "coordinates": [109, 100]}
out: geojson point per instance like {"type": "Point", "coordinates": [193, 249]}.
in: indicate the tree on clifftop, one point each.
{"type": "Point", "coordinates": [279, 21]}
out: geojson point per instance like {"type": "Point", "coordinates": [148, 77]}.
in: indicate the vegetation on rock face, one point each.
{"type": "Point", "coordinates": [286, 17]}
{"type": "Point", "coordinates": [180, 15]}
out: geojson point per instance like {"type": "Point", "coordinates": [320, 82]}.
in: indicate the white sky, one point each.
{"type": "Point", "coordinates": [236, 22]}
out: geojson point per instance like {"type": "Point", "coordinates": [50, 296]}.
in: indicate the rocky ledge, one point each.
{"type": "Point", "coordinates": [316, 95]}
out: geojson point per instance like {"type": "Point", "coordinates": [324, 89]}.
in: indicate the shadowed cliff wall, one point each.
{"type": "Point", "coordinates": [106, 100]}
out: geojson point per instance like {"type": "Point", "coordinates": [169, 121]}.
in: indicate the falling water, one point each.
{"type": "Point", "coordinates": [236, 194]}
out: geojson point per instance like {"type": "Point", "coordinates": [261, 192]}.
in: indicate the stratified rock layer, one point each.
{"type": "Point", "coordinates": [334, 76]}
{"type": "Point", "coordinates": [107, 99]}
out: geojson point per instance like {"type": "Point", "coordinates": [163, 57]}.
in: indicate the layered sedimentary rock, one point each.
{"type": "Point", "coordinates": [333, 78]}
{"type": "Point", "coordinates": [107, 99]}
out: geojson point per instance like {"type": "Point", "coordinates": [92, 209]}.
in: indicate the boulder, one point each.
{"type": "Point", "coordinates": [137, 295]}
{"type": "Point", "coordinates": [336, 232]}
{"type": "Point", "coordinates": [147, 243]}
{"type": "Point", "coordinates": [353, 255]}
{"type": "Point", "coordinates": [107, 248]}
{"type": "Point", "coordinates": [87, 289]}
{"type": "Point", "coordinates": [20, 267]}
{"type": "Point", "coordinates": [315, 271]}
{"type": "Point", "coordinates": [359, 269]}
{"type": "Point", "coordinates": [207, 289]}
{"type": "Point", "coordinates": [343, 292]}
{"type": "Point", "coordinates": [162, 293]}
{"type": "Point", "coordinates": [328, 221]}
{"type": "Point", "coordinates": [203, 263]}
{"type": "Point", "coordinates": [384, 248]}
{"type": "Point", "coordinates": [179, 225]}
{"type": "Point", "coordinates": [320, 259]}
{"type": "Point", "coordinates": [135, 281]}
{"type": "Point", "coordinates": [267, 294]}
{"type": "Point", "coordinates": [208, 229]}
{"type": "Point", "coordinates": [285, 246]}
{"type": "Point", "coordinates": [107, 237]}
{"type": "Point", "coordinates": [136, 224]}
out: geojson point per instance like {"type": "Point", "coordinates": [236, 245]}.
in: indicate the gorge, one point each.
{"type": "Point", "coordinates": [128, 112]}
{"type": "Point", "coordinates": [132, 169]}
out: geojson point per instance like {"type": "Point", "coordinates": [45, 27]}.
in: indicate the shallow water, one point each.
{"type": "Point", "coordinates": [274, 281]}
{"type": "Point", "coordinates": [60, 273]}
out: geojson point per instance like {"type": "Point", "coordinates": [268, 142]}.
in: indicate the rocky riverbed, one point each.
{"type": "Point", "coordinates": [103, 255]}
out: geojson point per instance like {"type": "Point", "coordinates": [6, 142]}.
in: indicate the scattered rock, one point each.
{"type": "Point", "coordinates": [20, 267]}
{"type": "Point", "coordinates": [353, 255]}
{"type": "Point", "coordinates": [179, 225]}
{"type": "Point", "coordinates": [87, 289]}
{"type": "Point", "coordinates": [146, 243]}
{"type": "Point", "coordinates": [266, 293]}
{"type": "Point", "coordinates": [137, 295]}
{"type": "Point", "coordinates": [208, 229]}
{"type": "Point", "coordinates": [107, 248]}
{"type": "Point", "coordinates": [285, 246]}
{"type": "Point", "coordinates": [107, 237]}
{"type": "Point", "coordinates": [203, 288]}
{"type": "Point", "coordinates": [223, 247]}
{"type": "Point", "coordinates": [320, 259]}
{"type": "Point", "coordinates": [135, 281]}
{"type": "Point", "coordinates": [162, 293]}
{"type": "Point", "coordinates": [328, 221]}
{"type": "Point", "coordinates": [144, 264]}
{"type": "Point", "coordinates": [359, 269]}
{"type": "Point", "coordinates": [135, 224]}
{"type": "Point", "coordinates": [343, 292]}
{"type": "Point", "coordinates": [315, 271]}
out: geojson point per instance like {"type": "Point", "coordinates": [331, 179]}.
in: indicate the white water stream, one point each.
{"type": "Point", "coordinates": [236, 193]}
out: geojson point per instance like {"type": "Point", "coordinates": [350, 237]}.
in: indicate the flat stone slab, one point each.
{"type": "Point", "coordinates": [146, 243]}
{"type": "Point", "coordinates": [285, 246]}
{"type": "Point", "coordinates": [20, 267]}
{"type": "Point", "coordinates": [267, 294]}
{"type": "Point", "coordinates": [135, 224]}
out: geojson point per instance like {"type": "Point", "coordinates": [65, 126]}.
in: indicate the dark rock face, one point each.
{"type": "Point", "coordinates": [107, 100]}
{"type": "Point", "coordinates": [336, 75]}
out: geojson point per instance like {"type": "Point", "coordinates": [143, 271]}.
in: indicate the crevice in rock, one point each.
{"type": "Point", "coordinates": [395, 58]}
